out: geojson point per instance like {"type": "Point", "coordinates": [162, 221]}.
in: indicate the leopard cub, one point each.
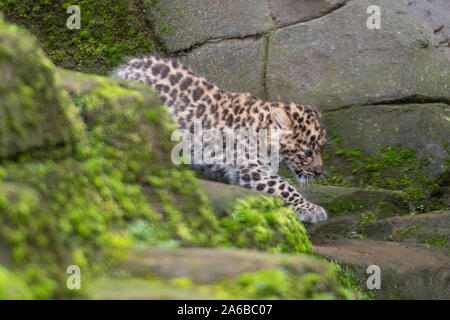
{"type": "Point", "coordinates": [191, 98]}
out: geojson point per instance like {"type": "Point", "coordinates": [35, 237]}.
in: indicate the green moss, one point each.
{"type": "Point", "coordinates": [272, 284]}
{"type": "Point", "coordinates": [139, 148]}
{"type": "Point", "coordinates": [55, 213]}
{"type": "Point", "coordinates": [13, 287]}
{"type": "Point", "coordinates": [35, 112]}
{"type": "Point", "coordinates": [341, 206]}
{"type": "Point", "coordinates": [348, 280]}
{"type": "Point", "coordinates": [403, 233]}
{"type": "Point", "coordinates": [368, 217]}
{"type": "Point", "coordinates": [280, 284]}
{"type": "Point", "coordinates": [66, 213]}
{"type": "Point", "coordinates": [59, 208]}
{"type": "Point", "coordinates": [265, 224]}
{"type": "Point", "coordinates": [389, 167]}
{"type": "Point", "coordinates": [439, 241]}
{"type": "Point", "coordinates": [110, 31]}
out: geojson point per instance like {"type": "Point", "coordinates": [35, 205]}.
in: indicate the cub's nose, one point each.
{"type": "Point", "coordinates": [318, 170]}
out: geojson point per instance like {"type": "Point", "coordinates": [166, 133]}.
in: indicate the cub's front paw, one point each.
{"type": "Point", "coordinates": [309, 212]}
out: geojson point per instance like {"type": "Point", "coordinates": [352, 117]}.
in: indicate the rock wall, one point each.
{"type": "Point", "coordinates": [322, 53]}
{"type": "Point", "coordinates": [311, 52]}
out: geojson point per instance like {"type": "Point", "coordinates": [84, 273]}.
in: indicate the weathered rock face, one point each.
{"type": "Point", "coordinates": [321, 52]}
{"type": "Point", "coordinates": [286, 12]}
{"type": "Point", "coordinates": [423, 127]}
{"type": "Point", "coordinates": [337, 61]}
{"type": "Point", "coordinates": [234, 65]}
{"type": "Point", "coordinates": [34, 111]}
{"type": "Point", "coordinates": [436, 15]}
{"type": "Point", "coordinates": [431, 228]}
{"type": "Point", "coordinates": [407, 271]}
{"type": "Point", "coordinates": [184, 24]}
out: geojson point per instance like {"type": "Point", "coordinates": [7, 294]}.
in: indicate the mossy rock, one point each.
{"type": "Point", "coordinates": [128, 126]}
{"type": "Point", "coordinates": [422, 128]}
{"type": "Point", "coordinates": [12, 287]}
{"type": "Point", "coordinates": [140, 289]}
{"type": "Point", "coordinates": [105, 181]}
{"type": "Point", "coordinates": [109, 31]}
{"type": "Point", "coordinates": [346, 200]}
{"type": "Point", "coordinates": [431, 229]}
{"type": "Point", "coordinates": [117, 188]}
{"type": "Point", "coordinates": [389, 167]}
{"type": "Point", "coordinates": [222, 197]}
{"type": "Point", "coordinates": [265, 223]}
{"type": "Point", "coordinates": [185, 24]}
{"type": "Point", "coordinates": [408, 271]}
{"type": "Point", "coordinates": [34, 110]}
{"type": "Point", "coordinates": [225, 274]}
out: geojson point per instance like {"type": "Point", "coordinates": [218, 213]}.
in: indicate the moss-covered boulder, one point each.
{"type": "Point", "coordinates": [265, 223]}
{"type": "Point", "coordinates": [221, 273]}
{"type": "Point", "coordinates": [128, 126]}
{"type": "Point", "coordinates": [117, 190]}
{"type": "Point", "coordinates": [431, 229]}
{"type": "Point", "coordinates": [76, 202]}
{"type": "Point", "coordinates": [391, 167]}
{"type": "Point", "coordinates": [34, 110]}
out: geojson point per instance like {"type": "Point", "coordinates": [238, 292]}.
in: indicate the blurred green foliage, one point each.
{"type": "Point", "coordinates": [265, 224]}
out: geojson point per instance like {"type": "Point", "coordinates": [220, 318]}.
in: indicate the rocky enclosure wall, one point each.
{"type": "Point", "coordinates": [322, 53]}
{"type": "Point", "coordinates": [316, 52]}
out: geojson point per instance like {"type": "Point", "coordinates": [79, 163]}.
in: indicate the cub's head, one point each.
{"type": "Point", "coordinates": [302, 139]}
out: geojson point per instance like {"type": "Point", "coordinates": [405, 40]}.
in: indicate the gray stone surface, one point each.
{"type": "Point", "coordinates": [184, 23]}
{"type": "Point", "coordinates": [234, 65]}
{"type": "Point", "coordinates": [336, 61]}
{"type": "Point", "coordinates": [285, 12]}
{"type": "Point", "coordinates": [423, 127]}
{"type": "Point", "coordinates": [340, 201]}
{"type": "Point", "coordinates": [407, 271]}
{"type": "Point", "coordinates": [436, 14]}
{"type": "Point", "coordinates": [420, 228]}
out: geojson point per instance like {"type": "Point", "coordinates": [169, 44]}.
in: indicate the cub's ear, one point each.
{"type": "Point", "coordinates": [280, 118]}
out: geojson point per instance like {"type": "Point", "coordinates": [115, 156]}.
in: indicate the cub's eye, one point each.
{"type": "Point", "coordinates": [308, 153]}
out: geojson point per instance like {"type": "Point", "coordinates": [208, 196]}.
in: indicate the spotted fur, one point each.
{"type": "Point", "coordinates": [190, 97]}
